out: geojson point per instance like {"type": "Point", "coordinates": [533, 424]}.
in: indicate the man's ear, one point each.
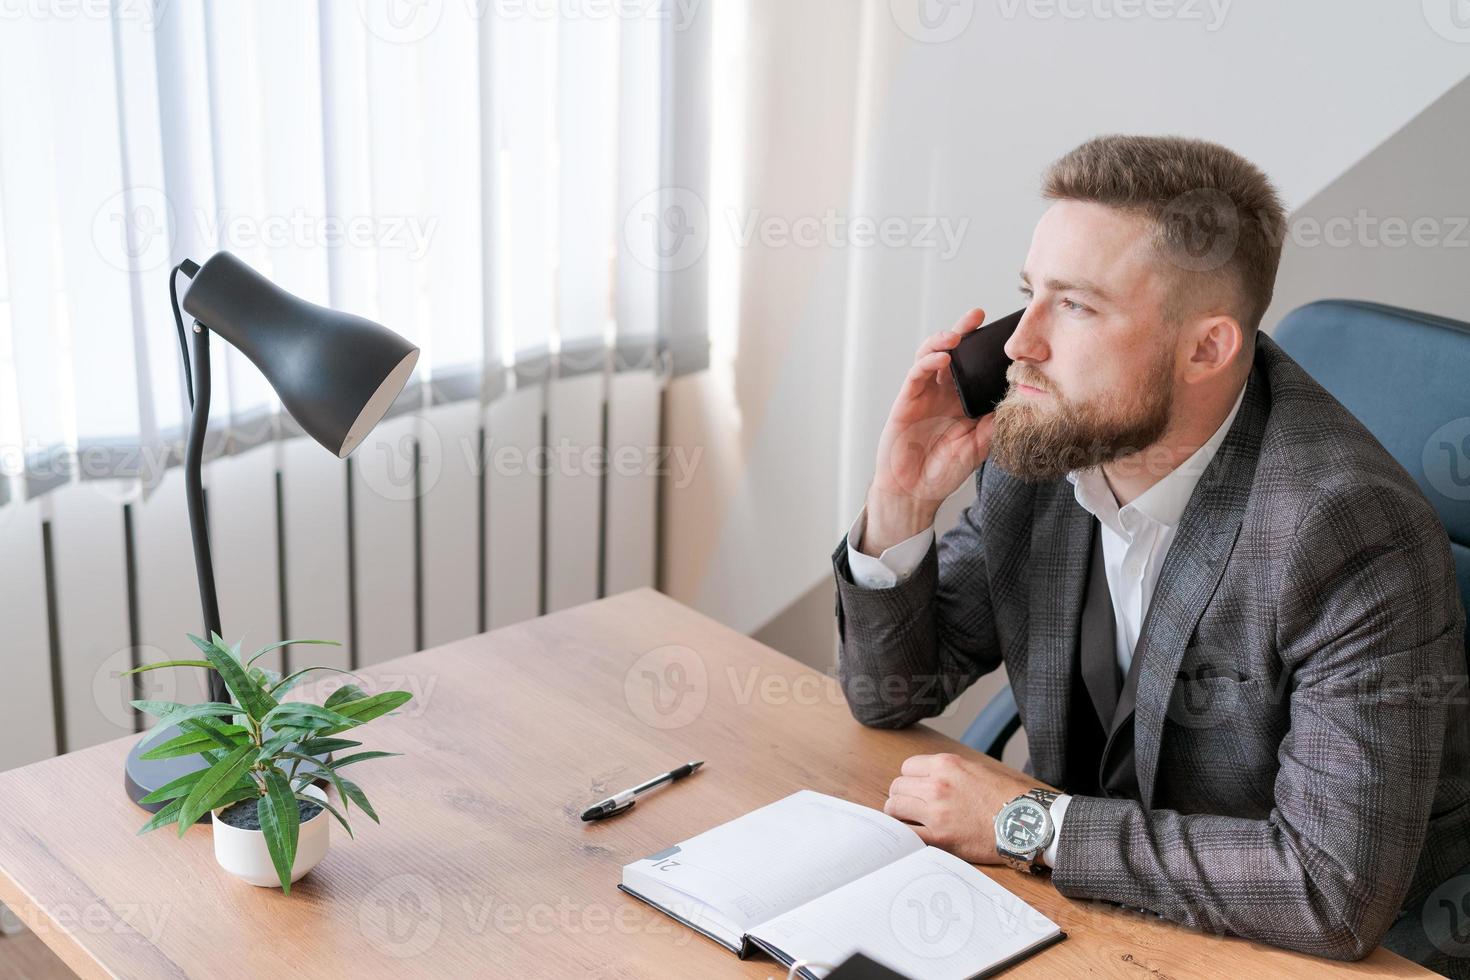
{"type": "Point", "coordinates": [1211, 344]}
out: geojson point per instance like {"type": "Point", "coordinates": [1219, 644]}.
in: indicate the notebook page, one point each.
{"type": "Point", "coordinates": [928, 915]}
{"type": "Point", "coordinates": [775, 858]}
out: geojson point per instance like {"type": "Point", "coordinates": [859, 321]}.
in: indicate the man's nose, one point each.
{"type": "Point", "coordinates": [1028, 342]}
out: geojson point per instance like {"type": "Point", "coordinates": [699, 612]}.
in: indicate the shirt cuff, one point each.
{"type": "Point", "coordinates": [891, 568]}
{"type": "Point", "coordinates": [1058, 810]}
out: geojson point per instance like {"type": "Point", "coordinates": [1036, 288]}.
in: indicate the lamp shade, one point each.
{"type": "Point", "coordinates": [337, 374]}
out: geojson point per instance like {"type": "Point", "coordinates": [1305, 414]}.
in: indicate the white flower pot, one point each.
{"type": "Point", "coordinates": [244, 854]}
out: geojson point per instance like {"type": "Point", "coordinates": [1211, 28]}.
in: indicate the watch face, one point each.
{"type": "Point", "coordinates": [1022, 825]}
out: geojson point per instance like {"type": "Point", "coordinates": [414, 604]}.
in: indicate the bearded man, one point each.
{"type": "Point", "coordinates": [1216, 596]}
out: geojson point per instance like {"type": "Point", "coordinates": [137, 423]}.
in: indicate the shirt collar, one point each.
{"type": "Point", "coordinates": [1164, 502]}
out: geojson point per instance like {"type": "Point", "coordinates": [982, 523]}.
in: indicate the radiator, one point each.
{"type": "Point", "coordinates": [448, 522]}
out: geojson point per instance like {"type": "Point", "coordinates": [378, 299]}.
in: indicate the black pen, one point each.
{"type": "Point", "coordinates": [624, 800]}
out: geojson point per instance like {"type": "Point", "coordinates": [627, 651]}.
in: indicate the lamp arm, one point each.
{"type": "Point", "coordinates": [188, 267]}
{"type": "Point", "coordinates": [194, 493]}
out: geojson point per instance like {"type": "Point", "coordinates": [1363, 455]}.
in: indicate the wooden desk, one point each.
{"type": "Point", "coordinates": [482, 866]}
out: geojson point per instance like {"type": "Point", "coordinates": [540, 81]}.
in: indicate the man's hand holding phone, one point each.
{"type": "Point", "coordinates": [928, 448]}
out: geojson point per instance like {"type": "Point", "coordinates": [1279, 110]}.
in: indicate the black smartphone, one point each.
{"type": "Point", "coordinates": [978, 364]}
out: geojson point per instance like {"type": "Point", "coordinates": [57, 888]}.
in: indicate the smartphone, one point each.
{"type": "Point", "coordinates": [978, 364]}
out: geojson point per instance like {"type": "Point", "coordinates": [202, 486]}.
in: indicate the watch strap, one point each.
{"type": "Point", "coordinates": [1043, 796]}
{"type": "Point", "coordinates": [1020, 862]}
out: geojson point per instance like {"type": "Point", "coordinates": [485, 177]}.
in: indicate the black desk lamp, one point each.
{"type": "Point", "coordinates": [337, 375]}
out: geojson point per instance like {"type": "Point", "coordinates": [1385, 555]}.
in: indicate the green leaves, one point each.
{"type": "Point", "coordinates": [321, 746]}
{"type": "Point", "coordinates": [361, 757]}
{"type": "Point", "coordinates": [280, 821]}
{"type": "Point", "coordinates": [168, 663]}
{"type": "Point", "coordinates": [286, 683]}
{"type": "Point", "coordinates": [195, 741]}
{"type": "Point", "coordinates": [343, 694]}
{"type": "Point", "coordinates": [167, 815]}
{"type": "Point", "coordinates": [175, 790]}
{"type": "Point", "coordinates": [357, 796]}
{"type": "Point", "coordinates": [299, 714]}
{"type": "Point", "coordinates": [218, 780]}
{"type": "Point", "coordinates": [247, 746]}
{"type": "Point", "coordinates": [172, 713]}
{"type": "Point", "coordinates": [363, 710]}
{"type": "Point", "coordinates": [330, 809]}
{"type": "Point", "coordinates": [286, 643]}
{"type": "Point", "coordinates": [250, 696]}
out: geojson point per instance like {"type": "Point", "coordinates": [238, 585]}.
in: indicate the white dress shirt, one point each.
{"type": "Point", "coordinates": [1135, 539]}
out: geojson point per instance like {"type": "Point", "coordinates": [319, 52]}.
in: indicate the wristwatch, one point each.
{"type": "Point", "coordinates": [1024, 828]}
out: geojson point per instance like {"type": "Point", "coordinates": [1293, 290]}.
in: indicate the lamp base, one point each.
{"type": "Point", "coordinates": [143, 776]}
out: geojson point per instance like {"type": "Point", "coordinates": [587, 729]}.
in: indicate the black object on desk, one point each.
{"type": "Point", "coordinates": [619, 802]}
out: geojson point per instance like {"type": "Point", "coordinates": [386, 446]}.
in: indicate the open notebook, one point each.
{"type": "Point", "coordinates": [815, 878]}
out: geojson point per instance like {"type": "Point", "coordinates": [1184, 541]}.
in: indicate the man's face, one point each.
{"type": "Point", "coordinates": [1093, 378]}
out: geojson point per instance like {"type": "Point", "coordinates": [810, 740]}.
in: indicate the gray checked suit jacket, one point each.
{"type": "Point", "coordinates": [1301, 733]}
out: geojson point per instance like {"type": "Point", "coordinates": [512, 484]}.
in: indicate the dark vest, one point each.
{"type": "Point", "coordinates": [1100, 720]}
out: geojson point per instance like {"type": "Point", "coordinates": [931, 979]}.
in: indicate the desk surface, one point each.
{"type": "Point", "coordinates": [482, 864]}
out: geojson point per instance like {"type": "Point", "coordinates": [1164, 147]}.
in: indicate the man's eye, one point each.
{"type": "Point", "coordinates": [1077, 307]}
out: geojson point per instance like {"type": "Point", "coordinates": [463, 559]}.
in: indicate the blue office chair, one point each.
{"type": "Point", "coordinates": [1406, 376]}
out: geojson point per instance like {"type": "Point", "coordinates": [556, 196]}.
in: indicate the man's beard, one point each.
{"type": "Point", "coordinates": [1038, 439]}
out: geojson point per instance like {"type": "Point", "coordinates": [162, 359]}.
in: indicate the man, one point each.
{"type": "Point", "coordinates": [1229, 618]}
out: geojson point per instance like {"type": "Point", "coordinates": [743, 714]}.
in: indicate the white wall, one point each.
{"type": "Point", "coordinates": [848, 111]}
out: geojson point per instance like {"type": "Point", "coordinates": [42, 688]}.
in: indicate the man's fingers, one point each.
{"type": "Point", "coordinates": [943, 340]}
{"type": "Point", "coordinates": [969, 321]}
{"type": "Point", "coordinates": [946, 339]}
{"type": "Point", "coordinates": [916, 786]}
{"type": "Point", "coordinates": [918, 375]}
{"type": "Point", "coordinates": [984, 429]}
{"type": "Point", "coordinates": [917, 765]}
{"type": "Point", "coordinates": [929, 835]}
{"type": "Point", "coordinates": [905, 808]}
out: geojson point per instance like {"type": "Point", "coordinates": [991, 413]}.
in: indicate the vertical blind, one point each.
{"type": "Point", "coordinates": [461, 172]}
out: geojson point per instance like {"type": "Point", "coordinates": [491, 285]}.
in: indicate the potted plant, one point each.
{"type": "Point", "coordinates": [265, 759]}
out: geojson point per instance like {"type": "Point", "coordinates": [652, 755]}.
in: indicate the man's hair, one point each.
{"type": "Point", "coordinates": [1217, 218]}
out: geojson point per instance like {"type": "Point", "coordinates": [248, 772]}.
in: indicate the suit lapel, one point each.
{"type": "Point", "coordinates": [1196, 560]}
{"type": "Point", "coordinates": [1060, 534]}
